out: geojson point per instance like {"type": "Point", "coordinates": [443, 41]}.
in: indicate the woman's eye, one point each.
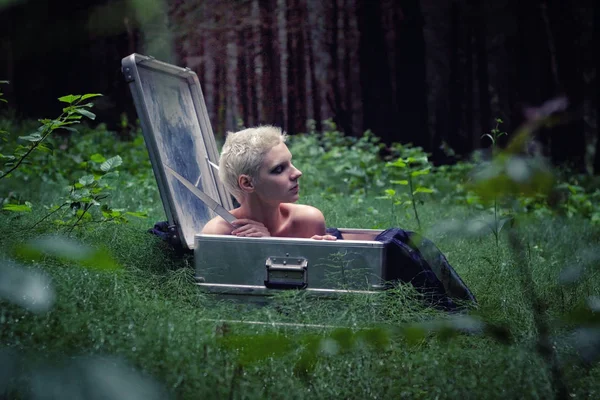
{"type": "Point", "coordinates": [277, 170]}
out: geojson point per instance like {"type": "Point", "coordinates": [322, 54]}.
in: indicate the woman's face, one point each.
{"type": "Point", "coordinates": [278, 178]}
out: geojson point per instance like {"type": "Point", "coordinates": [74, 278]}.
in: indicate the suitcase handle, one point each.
{"type": "Point", "coordinates": [286, 273]}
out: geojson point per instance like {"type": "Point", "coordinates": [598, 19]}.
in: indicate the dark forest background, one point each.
{"type": "Point", "coordinates": [430, 72]}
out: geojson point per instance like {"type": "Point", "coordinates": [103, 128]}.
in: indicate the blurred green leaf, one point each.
{"type": "Point", "coordinates": [46, 148]}
{"type": "Point", "coordinates": [423, 190]}
{"type": "Point", "coordinates": [570, 275]}
{"type": "Point", "coordinates": [254, 348]}
{"type": "Point", "coordinates": [86, 180]}
{"type": "Point", "coordinates": [27, 288]}
{"type": "Point", "coordinates": [378, 338]}
{"type": "Point", "coordinates": [399, 163]}
{"type": "Point", "coordinates": [499, 333]}
{"type": "Point", "coordinates": [86, 113]}
{"type": "Point", "coordinates": [513, 176]}
{"type": "Point", "coordinates": [345, 338]}
{"type": "Point", "coordinates": [582, 315]}
{"type": "Point", "coordinates": [414, 334]}
{"type": "Point", "coordinates": [586, 341]}
{"type": "Point", "coordinates": [97, 158]}
{"type": "Point", "coordinates": [90, 95]}
{"type": "Point", "coordinates": [420, 172]}
{"type": "Point", "coordinates": [139, 214]}
{"type": "Point", "coordinates": [111, 163]}
{"type": "Point", "coordinates": [17, 207]}
{"type": "Point", "coordinates": [66, 250]}
{"type": "Point", "coordinates": [34, 137]}
{"type": "Point", "coordinates": [69, 98]}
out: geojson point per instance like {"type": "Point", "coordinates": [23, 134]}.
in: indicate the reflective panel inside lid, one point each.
{"type": "Point", "coordinates": [173, 133]}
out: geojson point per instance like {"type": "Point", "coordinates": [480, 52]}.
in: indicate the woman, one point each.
{"type": "Point", "coordinates": [256, 167]}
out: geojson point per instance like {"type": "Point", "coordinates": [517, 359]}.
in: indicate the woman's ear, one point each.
{"type": "Point", "coordinates": [245, 183]}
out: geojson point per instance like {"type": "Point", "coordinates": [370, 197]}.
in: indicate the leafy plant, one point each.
{"type": "Point", "coordinates": [498, 221]}
{"type": "Point", "coordinates": [334, 163]}
{"type": "Point", "coordinates": [72, 114]}
{"type": "Point", "coordinates": [89, 192]}
{"type": "Point", "coordinates": [409, 168]}
{"type": "Point", "coordinates": [77, 108]}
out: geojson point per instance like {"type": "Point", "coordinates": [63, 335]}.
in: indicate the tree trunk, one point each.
{"type": "Point", "coordinates": [257, 63]}
{"type": "Point", "coordinates": [533, 83]}
{"type": "Point", "coordinates": [568, 140]}
{"type": "Point", "coordinates": [479, 20]}
{"type": "Point", "coordinates": [220, 99]}
{"type": "Point", "coordinates": [347, 66]}
{"type": "Point", "coordinates": [468, 110]}
{"type": "Point", "coordinates": [231, 67]}
{"type": "Point", "coordinates": [314, 83]}
{"type": "Point", "coordinates": [595, 44]}
{"type": "Point", "coordinates": [352, 69]}
{"type": "Point", "coordinates": [281, 33]}
{"type": "Point", "coordinates": [374, 74]}
{"type": "Point", "coordinates": [340, 116]}
{"type": "Point", "coordinates": [411, 88]}
{"type": "Point", "coordinates": [271, 103]}
{"type": "Point", "coordinates": [243, 79]}
{"type": "Point", "coordinates": [296, 68]}
{"type": "Point", "coordinates": [455, 94]}
{"type": "Point", "coordinates": [252, 89]}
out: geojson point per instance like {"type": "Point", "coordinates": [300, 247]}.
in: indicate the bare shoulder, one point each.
{"type": "Point", "coordinates": [307, 220]}
{"type": "Point", "coordinates": [306, 213]}
{"type": "Point", "coordinates": [217, 226]}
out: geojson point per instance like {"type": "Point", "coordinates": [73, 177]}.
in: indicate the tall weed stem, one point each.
{"type": "Point", "coordinates": [544, 344]}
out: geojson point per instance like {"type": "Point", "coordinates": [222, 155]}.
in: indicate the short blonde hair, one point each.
{"type": "Point", "coordinates": [243, 152]}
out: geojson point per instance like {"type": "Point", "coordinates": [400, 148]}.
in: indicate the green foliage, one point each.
{"type": "Point", "coordinates": [338, 164]}
{"type": "Point", "coordinates": [87, 195]}
{"type": "Point", "coordinates": [495, 134]}
{"type": "Point", "coordinates": [335, 166]}
{"type": "Point", "coordinates": [72, 114]}
{"type": "Point", "coordinates": [408, 171]}
{"type": "Point", "coordinates": [89, 175]}
{"type": "Point", "coordinates": [67, 251]}
{"type": "Point", "coordinates": [543, 294]}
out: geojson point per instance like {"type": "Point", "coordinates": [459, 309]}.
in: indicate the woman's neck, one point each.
{"type": "Point", "coordinates": [270, 215]}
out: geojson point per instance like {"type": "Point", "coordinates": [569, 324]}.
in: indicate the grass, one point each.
{"type": "Point", "coordinates": [151, 321]}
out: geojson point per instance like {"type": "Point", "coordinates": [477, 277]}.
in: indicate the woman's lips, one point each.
{"type": "Point", "coordinates": [295, 189]}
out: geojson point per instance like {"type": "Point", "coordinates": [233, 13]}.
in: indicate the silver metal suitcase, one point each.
{"type": "Point", "coordinates": [178, 135]}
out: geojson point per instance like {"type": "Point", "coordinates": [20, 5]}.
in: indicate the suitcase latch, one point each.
{"type": "Point", "coordinates": [286, 273]}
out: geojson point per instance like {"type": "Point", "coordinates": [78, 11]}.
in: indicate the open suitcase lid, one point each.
{"type": "Point", "coordinates": [170, 105]}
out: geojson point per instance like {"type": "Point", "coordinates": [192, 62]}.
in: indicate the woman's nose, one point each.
{"type": "Point", "coordinates": [296, 173]}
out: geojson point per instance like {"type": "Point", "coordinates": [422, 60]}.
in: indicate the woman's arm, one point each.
{"type": "Point", "coordinates": [217, 226]}
{"type": "Point", "coordinates": [243, 228]}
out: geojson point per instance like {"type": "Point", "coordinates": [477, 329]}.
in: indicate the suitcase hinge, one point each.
{"type": "Point", "coordinates": [128, 75]}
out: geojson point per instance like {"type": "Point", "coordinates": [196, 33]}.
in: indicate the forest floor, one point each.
{"type": "Point", "coordinates": [130, 323]}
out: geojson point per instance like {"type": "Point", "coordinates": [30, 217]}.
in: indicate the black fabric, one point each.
{"type": "Point", "coordinates": [334, 232]}
{"type": "Point", "coordinates": [168, 233]}
{"type": "Point", "coordinates": [413, 259]}
{"type": "Point", "coordinates": [405, 263]}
